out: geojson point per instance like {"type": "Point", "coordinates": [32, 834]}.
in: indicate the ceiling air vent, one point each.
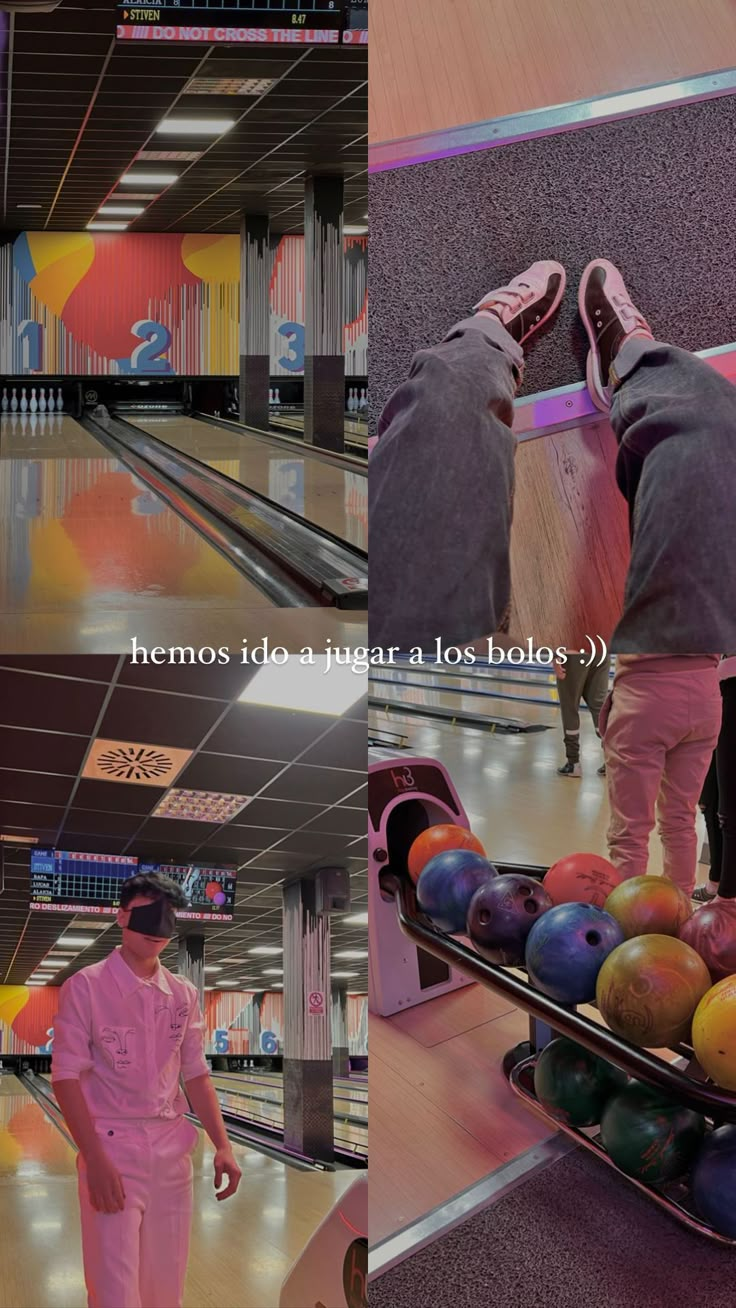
{"type": "Point", "coordinates": [127, 761]}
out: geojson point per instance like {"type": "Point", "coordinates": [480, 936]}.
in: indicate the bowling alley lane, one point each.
{"type": "Point", "coordinates": [252, 1096]}
{"type": "Point", "coordinates": [277, 1205]}
{"type": "Point", "coordinates": [90, 557]}
{"type": "Point", "coordinates": [322, 492]}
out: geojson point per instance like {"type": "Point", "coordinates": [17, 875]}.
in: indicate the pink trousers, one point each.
{"type": "Point", "coordinates": [660, 733]}
{"type": "Point", "coordinates": [137, 1258]}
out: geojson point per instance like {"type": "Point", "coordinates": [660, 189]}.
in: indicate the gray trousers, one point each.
{"type": "Point", "coordinates": [580, 683]}
{"type": "Point", "coordinates": [441, 489]}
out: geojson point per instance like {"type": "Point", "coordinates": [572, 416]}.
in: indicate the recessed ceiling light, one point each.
{"type": "Point", "coordinates": [200, 805]}
{"type": "Point", "coordinates": [355, 229]}
{"type": "Point", "coordinates": [136, 195]}
{"type": "Point", "coordinates": [29, 206]}
{"type": "Point", "coordinates": [343, 974]}
{"type": "Point", "coordinates": [277, 985]}
{"type": "Point", "coordinates": [266, 949]}
{"type": "Point", "coordinates": [213, 967]}
{"type": "Point", "coordinates": [31, 982]}
{"type": "Point", "coordinates": [133, 177]}
{"type": "Point", "coordinates": [351, 953]}
{"type": "Point", "coordinates": [80, 942]}
{"type": "Point", "coordinates": [356, 919]}
{"type": "Point", "coordinates": [273, 971]}
{"type": "Point", "coordinates": [168, 156]}
{"type": "Point", "coordinates": [122, 210]}
{"type": "Point", "coordinates": [195, 126]}
{"type": "Point", "coordinates": [59, 958]}
{"type": "Point", "coordinates": [107, 227]}
{"type": "Point", "coordinates": [307, 687]}
{"type": "Point", "coordinates": [221, 985]}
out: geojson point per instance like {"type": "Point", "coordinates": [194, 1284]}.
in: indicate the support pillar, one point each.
{"type": "Point", "coordinates": [190, 962]}
{"type": "Point", "coordinates": [255, 320]}
{"type": "Point", "coordinates": [324, 358]}
{"type": "Point", "coordinates": [308, 1107]}
{"type": "Point", "coordinates": [340, 1041]}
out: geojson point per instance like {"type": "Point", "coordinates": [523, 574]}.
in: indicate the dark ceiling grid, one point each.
{"type": "Point", "coordinates": [63, 124]}
{"type": "Point", "coordinates": [50, 711]}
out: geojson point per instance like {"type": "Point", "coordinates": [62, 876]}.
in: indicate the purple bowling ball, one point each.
{"type": "Point", "coordinates": [501, 915]}
{"type": "Point", "coordinates": [566, 949]}
{"type": "Point", "coordinates": [447, 884]}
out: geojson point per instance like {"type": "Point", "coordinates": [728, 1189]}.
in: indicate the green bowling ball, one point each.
{"type": "Point", "coordinates": [573, 1084]}
{"type": "Point", "coordinates": [650, 1136]}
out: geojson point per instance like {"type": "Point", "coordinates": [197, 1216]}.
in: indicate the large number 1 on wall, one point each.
{"type": "Point", "coordinates": [30, 335]}
{"type": "Point", "coordinates": [155, 341]}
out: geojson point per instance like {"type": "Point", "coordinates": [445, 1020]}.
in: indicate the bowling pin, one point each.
{"type": "Point", "coordinates": [34, 401]}
{"type": "Point", "coordinates": [42, 400]}
{"type": "Point", "coordinates": [270, 396]}
{"type": "Point", "coordinates": [363, 401]}
{"type": "Point", "coordinates": [23, 400]}
{"type": "Point", "coordinates": [277, 396]}
{"type": "Point", "coordinates": [14, 401]}
{"type": "Point", "coordinates": [52, 406]}
{"type": "Point", "coordinates": [5, 403]}
{"type": "Point", "coordinates": [60, 401]}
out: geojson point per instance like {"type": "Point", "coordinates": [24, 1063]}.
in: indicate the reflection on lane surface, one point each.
{"type": "Point", "coordinates": [331, 497]}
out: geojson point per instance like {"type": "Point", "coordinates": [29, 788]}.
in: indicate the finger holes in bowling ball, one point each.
{"type": "Point", "coordinates": [484, 916]}
{"type": "Point", "coordinates": [592, 937]}
{"type": "Point", "coordinates": [531, 906]}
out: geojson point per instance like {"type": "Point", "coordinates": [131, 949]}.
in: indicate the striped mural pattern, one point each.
{"type": "Point", "coordinates": [255, 309]}
{"type": "Point", "coordinates": [306, 972]}
{"type": "Point", "coordinates": [324, 281]}
{"type": "Point", "coordinates": [339, 1018]}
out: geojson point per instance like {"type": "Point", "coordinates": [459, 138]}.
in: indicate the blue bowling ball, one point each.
{"type": "Point", "coordinates": [566, 949]}
{"type": "Point", "coordinates": [714, 1181]}
{"type": "Point", "coordinates": [447, 884]}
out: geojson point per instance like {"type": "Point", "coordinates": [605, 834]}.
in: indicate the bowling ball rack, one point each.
{"type": "Point", "coordinates": [545, 1014]}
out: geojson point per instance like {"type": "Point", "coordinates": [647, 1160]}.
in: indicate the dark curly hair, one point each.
{"type": "Point", "coordinates": [156, 886]}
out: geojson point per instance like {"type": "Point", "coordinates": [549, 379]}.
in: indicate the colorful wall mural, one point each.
{"type": "Point", "coordinates": [83, 303]}
{"type": "Point", "coordinates": [237, 1022]}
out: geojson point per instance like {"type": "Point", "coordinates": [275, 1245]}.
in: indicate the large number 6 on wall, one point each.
{"type": "Point", "coordinates": [156, 339]}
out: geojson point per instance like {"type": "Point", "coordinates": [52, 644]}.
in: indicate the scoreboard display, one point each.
{"type": "Point", "coordinates": [234, 21]}
{"type": "Point", "coordinates": [64, 882]}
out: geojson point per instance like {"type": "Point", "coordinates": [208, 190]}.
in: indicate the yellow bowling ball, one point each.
{"type": "Point", "coordinates": [714, 1025]}
{"type": "Point", "coordinates": [649, 906]}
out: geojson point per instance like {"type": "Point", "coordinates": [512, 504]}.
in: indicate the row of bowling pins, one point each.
{"type": "Point", "coordinates": [274, 396]}
{"type": "Point", "coordinates": [37, 422]}
{"type": "Point", "coordinates": [356, 403]}
{"type": "Point", "coordinates": [40, 405]}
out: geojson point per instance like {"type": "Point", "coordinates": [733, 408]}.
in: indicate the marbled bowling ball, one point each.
{"type": "Point", "coordinates": [447, 885]}
{"type": "Point", "coordinates": [714, 1033]}
{"type": "Point", "coordinates": [711, 932]}
{"type": "Point", "coordinates": [501, 915]}
{"type": "Point", "coordinates": [566, 948]}
{"type": "Point", "coordinates": [649, 988]}
{"type": "Point", "coordinates": [581, 879]}
{"type": "Point", "coordinates": [649, 905]}
{"type": "Point", "coordinates": [650, 1136]}
{"type": "Point", "coordinates": [573, 1084]}
{"type": "Point", "coordinates": [435, 840]}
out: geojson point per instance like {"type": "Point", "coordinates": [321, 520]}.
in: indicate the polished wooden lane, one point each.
{"type": "Point", "coordinates": [266, 1105]}
{"type": "Point", "coordinates": [436, 65]}
{"type": "Point", "coordinates": [241, 1250]}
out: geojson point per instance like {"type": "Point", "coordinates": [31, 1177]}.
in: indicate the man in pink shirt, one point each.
{"type": "Point", "coordinates": [126, 1032]}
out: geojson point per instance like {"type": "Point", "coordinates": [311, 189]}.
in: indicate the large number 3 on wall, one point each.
{"type": "Point", "coordinates": [155, 341]}
{"type": "Point", "coordinates": [294, 334]}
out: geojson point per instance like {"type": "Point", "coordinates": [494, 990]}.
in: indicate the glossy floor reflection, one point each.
{"type": "Point", "coordinates": [278, 1207]}
{"type": "Point", "coordinates": [89, 558]}
{"type": "Point", "coordinates": [321, 492]}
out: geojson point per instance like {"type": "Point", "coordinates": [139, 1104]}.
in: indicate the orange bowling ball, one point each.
{"type": "Point", "coordinates": [714, 1025]}
{"type": "Point", "coordinates": [649, 905]}
{"type": "Point", "coordinates": [648, 989]}
{"type": "Point", "coordinates": [435, 840]}
{"type": "Point", "coordinates": [581, 879]}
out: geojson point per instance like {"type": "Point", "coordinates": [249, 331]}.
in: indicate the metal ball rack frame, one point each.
{"type": "Point", "coordinates": [548, 1018]}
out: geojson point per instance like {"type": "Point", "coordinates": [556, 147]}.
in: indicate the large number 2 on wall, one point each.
{"type": "Point", "coordinates": [294, 334]}
{"type": "Point", "coordinates": [155, 341]}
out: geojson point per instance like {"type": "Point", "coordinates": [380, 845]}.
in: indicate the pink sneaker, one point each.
{"type": "Point", "coordinates": [610, 319]}
{"type": "Point", "coordinates": [528, 300]}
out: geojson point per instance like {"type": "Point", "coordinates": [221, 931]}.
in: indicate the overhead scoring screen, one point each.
{"type": "Point", "coordinates": [232, 21]}
{"type": "Point", "coordinates": [64, 882]}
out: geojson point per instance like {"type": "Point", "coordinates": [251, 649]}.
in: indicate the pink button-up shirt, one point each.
{"type": "Point", "coordinates": [128, 1040]}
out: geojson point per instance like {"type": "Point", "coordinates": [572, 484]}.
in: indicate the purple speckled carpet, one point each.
{"type": "Point", "coordinates": [575, 1234]}
{"type": "Point", "coordinates": [653, 193]}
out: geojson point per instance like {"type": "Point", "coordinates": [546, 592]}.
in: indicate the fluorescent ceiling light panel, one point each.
{"type": "Point", "coordinates": [266, 949]}
{"type": "Point", "coordinates": [134, 176]}
{"type": "Point", "coordinates": [273, 971]}
{"type": "Point", "coordinates": [136, 195]}
{"type": "Point", "coordinates": [168, 156]}
{"type": "Point", "coordinates": [213, 967]}
{"type": "Point", "coordinates": [356, 919]}
{"type": "Point", "coordinates": [343, 974]}
{"type": "Point", "coordinates": [230, 85]}
{"type": "Point", "coordinates": [107, 227]}
{"type": "Point", "coordinates": [223, 985]}
{"type": "Point", "coordinates": [31, 982]}
{"type": "Point", "coordinates": [121, 210]}
{"type": "Point", "coordinates": [351, 953]}
{"type": "Point", "coordinates": [355, 229]}
{"type": "Point", "coordinates": [80, 941]}
{"type": "Point", "coordinates": [307, 687]}
{"type": "Point", "coordinates": [195, 126]}
{"type": "Point", "coordinates": [200, 805]}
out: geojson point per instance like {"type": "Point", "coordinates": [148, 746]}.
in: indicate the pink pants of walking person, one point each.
{"type": "Point", "coordinates": [137, 1258]}
{"type": "Point", "coordinates": [659, 730]}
